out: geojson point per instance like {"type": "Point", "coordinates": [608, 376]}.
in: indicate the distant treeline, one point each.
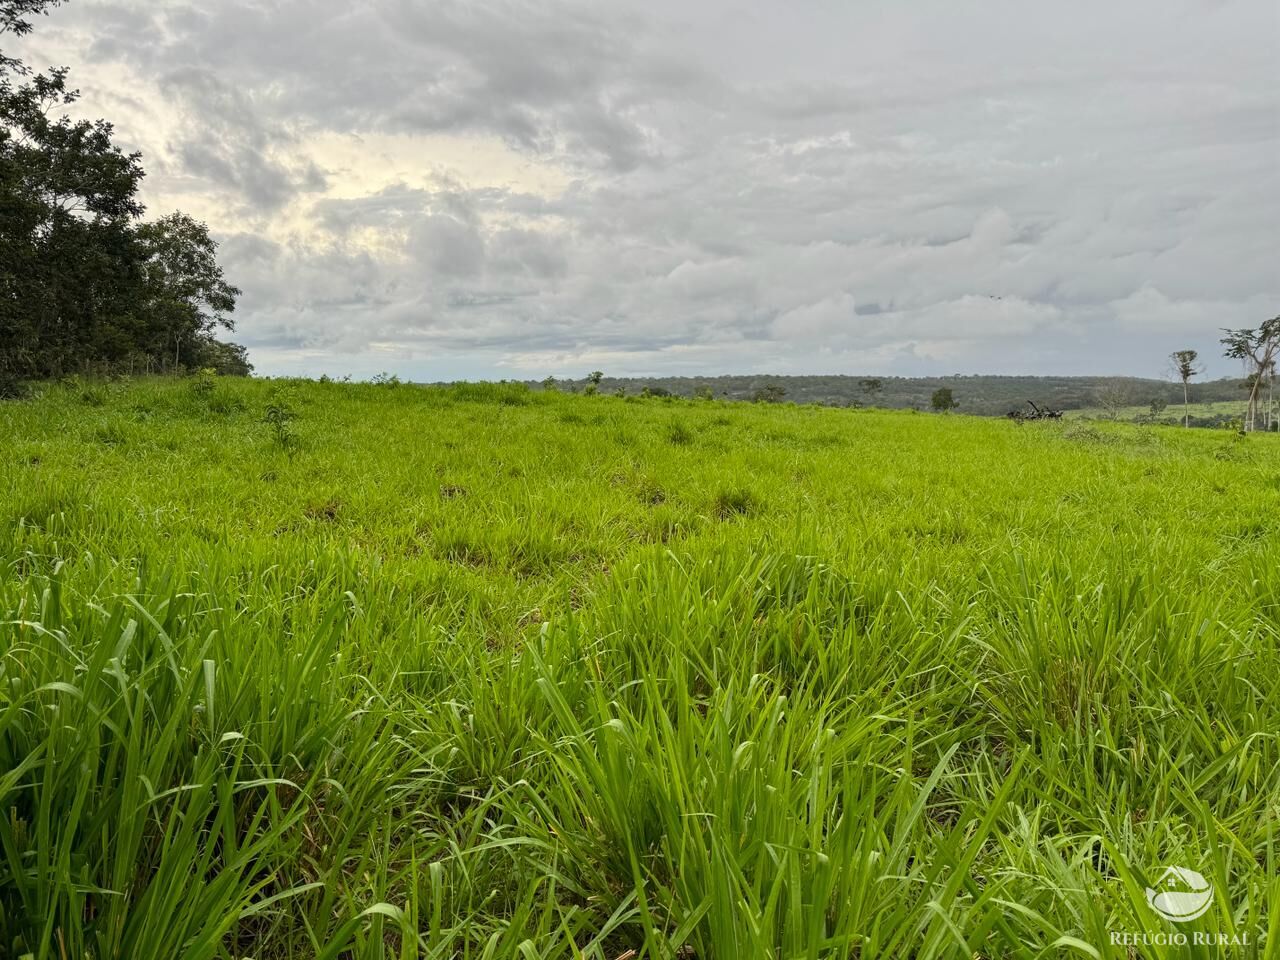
{"type": "Point", "coordinates": [980, 395]}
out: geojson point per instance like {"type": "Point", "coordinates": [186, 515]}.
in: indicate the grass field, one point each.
{"type": "Point", "coordinates": [1171, 416]}
{"type": "Point", "coordinates": [320, 670]}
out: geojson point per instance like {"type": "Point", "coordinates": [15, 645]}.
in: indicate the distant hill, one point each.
{"type": "Point", "coordinates": [980, 395]}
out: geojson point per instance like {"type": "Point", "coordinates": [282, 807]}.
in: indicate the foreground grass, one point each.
{"type": "Point", "coordinates": [474, 672]}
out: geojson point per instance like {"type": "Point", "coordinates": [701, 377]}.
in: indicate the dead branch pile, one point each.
{"type": "Point", "coordinates": [1035, 413]}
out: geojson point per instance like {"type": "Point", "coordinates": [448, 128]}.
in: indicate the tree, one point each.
{"type": "Point", "coordinates": [1112, 396]}
{"type": "Point", "coordinates": [871, 387]}
{"type": "Point", "coordinates": [13, 14]}
{"type": "Point", "coordinates": [943, 401]}
{"type": "Point", "coordinates": [772, 393]}
{"type": "Point", "coordinates": [187, 297]}
{"type": "Point", "coordinates": [1257, 349]}
{"type": "Point", "coordinates": [1269, 375]}
{"type": "Point", "coordinates": [1185, 365]}
{"type": "Point", "coordinates": [82, 282]}
{"type": "Point", "coordinates": [593, 382]}
{"type": "Point", "coordinates": [225, 359]}
{"type": "Point", "coordinates": [69, 263]}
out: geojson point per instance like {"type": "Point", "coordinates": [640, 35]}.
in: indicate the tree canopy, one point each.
{"type": "Point", "coordinates": [1257, 348]}
{"type": "Point", "coordinates": [943, 400]}
{"type": "Point", "coordinates": [85, 281]}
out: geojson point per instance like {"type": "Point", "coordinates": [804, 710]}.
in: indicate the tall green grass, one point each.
{"type": "Point", "coordinates": [480, 672]}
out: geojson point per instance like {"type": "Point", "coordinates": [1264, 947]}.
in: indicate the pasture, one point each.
{"type": "Point", "coordinates": [299, 669]}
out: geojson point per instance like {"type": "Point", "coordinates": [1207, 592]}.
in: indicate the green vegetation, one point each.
{"type": "Point", "coordinates": [943, 400]}
{"type": "Point", "coordinates": [988, 396]}
{"type": "Point", "coordinates": [351, 670]}
{"type": "Point", "coordinates": [1222, 414]}
{"type": "Point", "coordinates": [86, 285]}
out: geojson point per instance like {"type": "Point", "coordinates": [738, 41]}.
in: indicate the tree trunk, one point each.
{"type": "Point", "coordinates": [1186, 406]}
{"type": "Point", "coordinates": [1251, 412]}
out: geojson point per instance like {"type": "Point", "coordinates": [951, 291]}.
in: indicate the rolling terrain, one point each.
{"type": "Point", "coordinates": [298, 669]}
{"type": "Point", "coordinates": [990, 396]}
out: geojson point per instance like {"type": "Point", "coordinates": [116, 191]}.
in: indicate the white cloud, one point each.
{"type": "Point", "coordinates": [490, 187]}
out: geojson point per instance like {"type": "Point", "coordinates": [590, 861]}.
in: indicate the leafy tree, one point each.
{"type": "Point", "coordinates": [593, 383]}
{"type": "Point", "coordinates": [224, 359]}
{"type": "Point", "coordinates": [1257, 348]}
{"type": "Point", "coordinates": [943, 401]}
{"type": "Point", "coordinates": [13, 19]}
{"type": "Point", "coordinates": [1185, 365]}
{"type": "Point", "coordinates": [772, 393]}
{"type": "Point", "coordinates": [82, 283]}
{"type": "Point", "coordinates": [188, 298]}
{"type": "Point", "coordinates": [549, 383]}
{"type": "Point", "coordinates": [871, 387]}
{"type": "Point", "coordinates": [69, 261]}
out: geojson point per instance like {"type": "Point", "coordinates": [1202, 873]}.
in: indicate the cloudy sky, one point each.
{"type": "Point", "coordinates": [447, 190]}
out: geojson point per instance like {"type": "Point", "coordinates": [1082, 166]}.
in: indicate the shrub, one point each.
{"type": "Point", "coordinates": [205, 383]}
{"type": "Point", "coordinates": [278, 416]}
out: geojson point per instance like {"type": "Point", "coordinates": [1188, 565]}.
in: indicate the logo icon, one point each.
{"type": "Point", "coordinates": [1180, 894]}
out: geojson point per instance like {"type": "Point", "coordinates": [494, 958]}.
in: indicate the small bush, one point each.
{"type": "Point", "coordinates": [278, 416]}
{"type": "Point", "coordinates": [208, 395]}
{"type": "Point", "coordinates": [204, 383]}
{"type": "Point", "coordinates": [650, 493]}
{"type": "Point", "coordinates": [1235, 450]}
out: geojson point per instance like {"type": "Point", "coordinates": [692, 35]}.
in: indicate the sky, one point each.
{"type": "Point", "coordinates": [448, 190]}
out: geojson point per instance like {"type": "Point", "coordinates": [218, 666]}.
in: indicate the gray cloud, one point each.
{"type": "Point", "coordinates": [225, 141]}
{"type": "Point", "coordinates": [823, 187]}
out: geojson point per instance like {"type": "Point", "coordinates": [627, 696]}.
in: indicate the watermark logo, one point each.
{"type": "Point", "coordinates": [1180, 895]}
